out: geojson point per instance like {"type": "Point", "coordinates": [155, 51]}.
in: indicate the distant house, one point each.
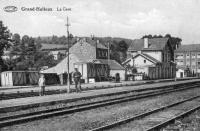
{"type": "Point", "coordinates": [180, 73]}
{"type": "Point", "coordinates": [90, 57]}
{"type": "Point", "coordinates": [187, 57]}
{"type": "Point", "coordinates": [151, 57]}
{"type": "Point", "coordinates": [58, 51]}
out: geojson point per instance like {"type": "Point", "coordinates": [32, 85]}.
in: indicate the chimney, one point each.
{"type": "Point", "coordinates": [146, 43]}
{"type": "Point", "coordinates": [92, 37]}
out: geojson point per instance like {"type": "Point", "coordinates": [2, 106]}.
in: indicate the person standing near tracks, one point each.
{"type": "Point", "coordinates": [77, 79]}
{"type": "Point", "coordinates": [41, 84]}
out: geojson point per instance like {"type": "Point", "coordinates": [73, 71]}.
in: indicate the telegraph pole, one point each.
{"type": "Point", "coordinates": [108, 56]}
{"type": "Point", "coordinates": [68, 79]}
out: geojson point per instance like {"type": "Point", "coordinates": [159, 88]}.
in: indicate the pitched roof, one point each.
{"type": "Point", "coordinates": [113, 64]}
{"type": "Point", "coordinates": [150, 58]}
{"type": "Point", "coordinates": [93, 43]}
{"type": "Point", "coordinates": [191, 47]}
{"type": "Point", "coordinates": [154, 44]}
{"type": "Point", "coordinates": [84, 58]}
{"type": "Point", "coordinates": [146, 56]}
{"type": "Point", "coordinates": [53, 46]}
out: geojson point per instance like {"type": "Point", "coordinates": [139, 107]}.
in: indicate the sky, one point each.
{"type": "Point", "coordinates": [115, 18]}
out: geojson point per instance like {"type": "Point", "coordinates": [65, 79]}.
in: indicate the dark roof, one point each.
{"type": "Point", "coordinates": [94, 42]}
{"type": "Point", "coordinates": [84, 57]}
{"type": "Point", "coordinates": [154, 44]}
{"type": "Point", "coordinates": [113, 64]}
{"type": "Point", "coordinates": [53, 47]}
{"type": "Point", "coordinates": [150, 58]}
{"type": "Point", "coordinates": [191, 47]}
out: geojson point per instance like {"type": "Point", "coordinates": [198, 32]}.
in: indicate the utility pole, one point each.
{"type": "Point", "coordinates": [68, 79]}
{"type": "Point", "coordinates": [108, 57]}
{"type": "Point", "coordinates": [108, 52]}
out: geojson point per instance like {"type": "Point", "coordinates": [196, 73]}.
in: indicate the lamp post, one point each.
{"type": "Point", "coordinates": [68, 79]}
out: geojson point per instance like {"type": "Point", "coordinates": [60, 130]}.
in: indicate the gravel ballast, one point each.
{"type": "Point", "coordinates": [97, 117]}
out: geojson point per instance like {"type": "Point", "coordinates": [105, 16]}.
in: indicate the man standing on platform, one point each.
{"type": "Point", "coordinates": [41, 84]}
{"type": "Point", "coordinates": [77, 79]}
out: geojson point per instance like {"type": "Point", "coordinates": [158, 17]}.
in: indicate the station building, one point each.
{"type": "Point", "coordinates": [150, 59]}
{"type": "Point", "coordinates": [91, 58]}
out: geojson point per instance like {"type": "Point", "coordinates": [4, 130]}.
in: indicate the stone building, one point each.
{"type": "Point", "coordinates": [153, 58]}
{"type": "Point", "coordinates": [91, 58]}
{"type": "Point", "coordinates": [187, 58]}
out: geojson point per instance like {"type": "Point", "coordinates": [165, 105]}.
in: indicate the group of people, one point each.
{"type": "Point", "coordinates": [76, 76]}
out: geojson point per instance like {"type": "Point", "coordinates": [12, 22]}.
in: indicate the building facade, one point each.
{"type": "Point", "coordinates": [91, 58]}
{"type": "Point", "coordinates": [187, 57]}
{"type": "Point", "coordinates": [151, 57]}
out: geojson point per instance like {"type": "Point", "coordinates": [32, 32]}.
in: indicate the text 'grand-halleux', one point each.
{"type": "Point", "coordinates": [45, 9]}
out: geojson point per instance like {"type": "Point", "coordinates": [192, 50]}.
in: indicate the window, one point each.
{"type": "Point", "coordinates": [99, 53]}
{"type": "Point", "coordinates": [144, 61]}
{"type": "Point", "coordinates": [193, 55]}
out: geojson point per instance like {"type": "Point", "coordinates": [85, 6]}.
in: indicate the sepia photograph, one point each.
{"type": "Point", "coordinates": [99, 65]}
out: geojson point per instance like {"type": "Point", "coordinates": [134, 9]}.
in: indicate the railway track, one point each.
{"type": "Point", "coordinates": [155, 119]}
{"type": "Point", "coordinates": [173, 119]}
{"type": "Point", "coordinates": [21, 118]}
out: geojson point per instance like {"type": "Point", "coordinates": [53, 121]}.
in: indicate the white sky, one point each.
{"type": "Point", "coordinates": [115, 18]}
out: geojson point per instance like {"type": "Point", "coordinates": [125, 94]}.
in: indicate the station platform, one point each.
{"type": "Point", "coordinates": [88, 86]}
{"type": "Point", "coordinates": [40, 100]}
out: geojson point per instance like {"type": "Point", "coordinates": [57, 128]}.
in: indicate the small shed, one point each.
{"type": "Point", "coordinates": [114, 68]}
{"type": "Point", "coordinates": [94, 71]}
{"type": "Point", "coordinates": [19, 78]}
{"type": "Point", "coordinates": [180, 73]}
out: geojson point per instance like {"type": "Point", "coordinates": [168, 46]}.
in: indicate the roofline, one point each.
{"type": "Point", "coordinates": [126, 60]}
{"type": "Point", "coordinates": [118, 69]}
{"type": "Point", "coordinates": [146, 58]}
{"type": "Point", "coordinates": [19, 71]}
{"type": "Point", "coordinates": [55, 49]}
{"type": "Point", "coordinates": [186, 51]}
{"type": "Point", "coordinates": [149, 49]}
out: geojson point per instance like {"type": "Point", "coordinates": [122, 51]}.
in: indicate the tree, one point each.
{"type": "Point", "coordinates": [24, 50]}
{"type": "Point", "coordinates": [147, 36]}
{"type": "Point", "coordinates": [14, 52]}
{"type": "Point", "coordinates": [4, 43]}
{"type": "Point", "coordinates": [16, 45]}
{"type": "Point", "coordinates": [31, 52]}
{"type": "Point", "coordinates": [118, 50]}
{"type": "Point", "coordinates": [44, 59]}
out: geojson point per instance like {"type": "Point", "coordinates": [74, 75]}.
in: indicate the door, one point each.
{"type": "Point", "coordinates": [181, 74]}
